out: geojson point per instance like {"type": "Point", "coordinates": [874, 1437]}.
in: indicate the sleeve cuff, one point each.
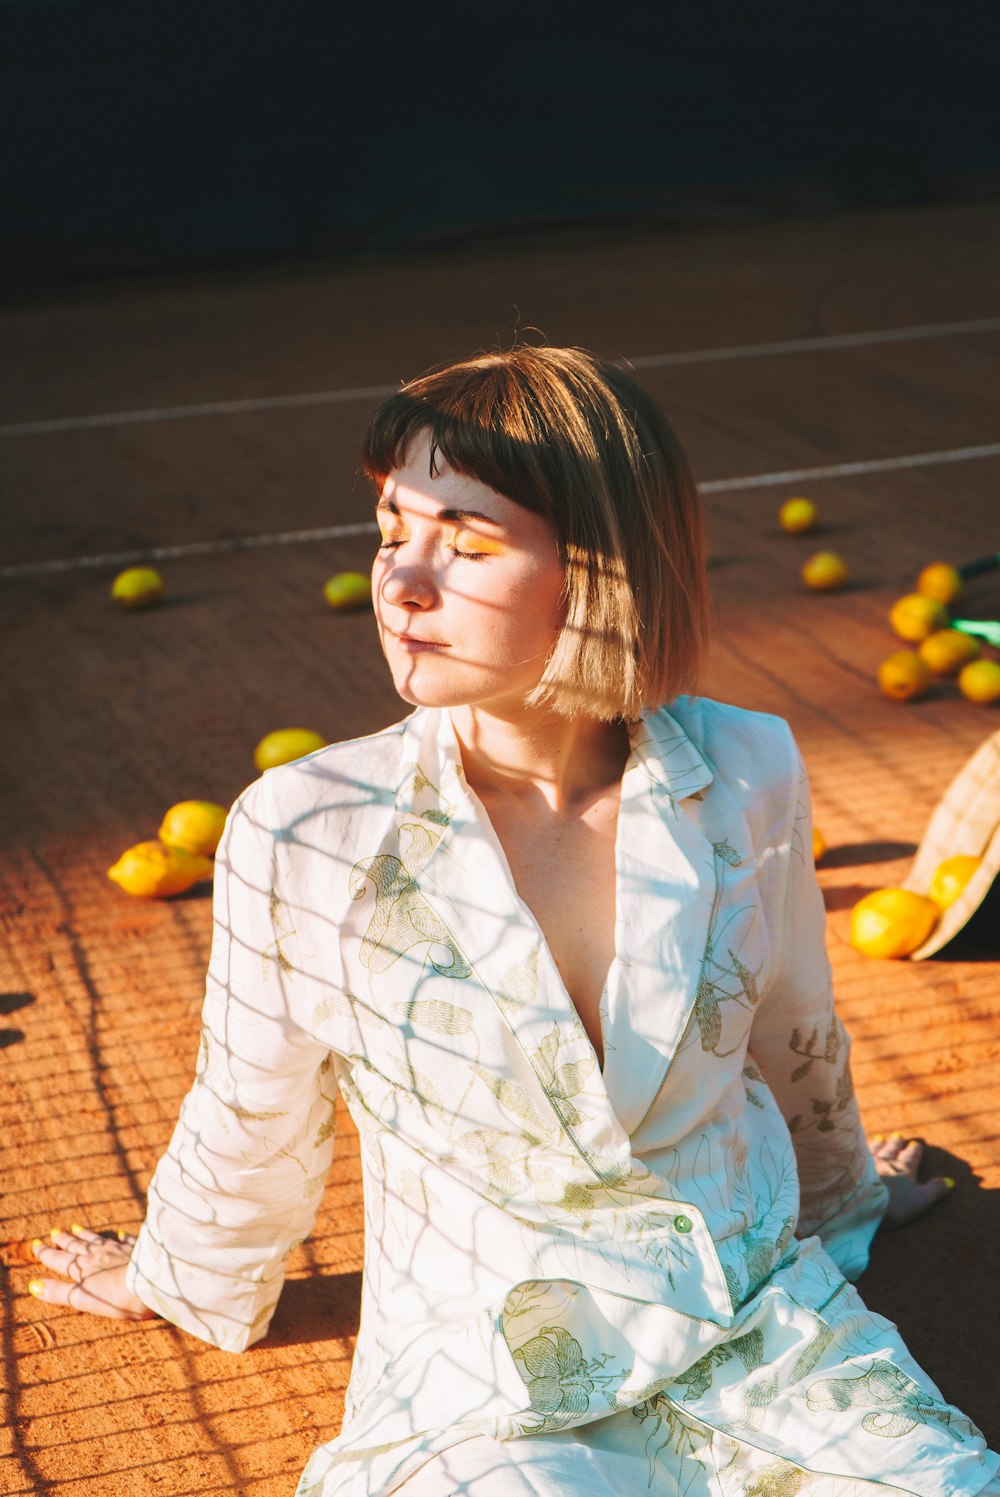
{"type": "Point", "coordinates": [228, 1311]}
{"type": "Point", "coordinates": [847, 1237]}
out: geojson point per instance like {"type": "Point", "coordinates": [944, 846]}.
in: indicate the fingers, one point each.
{"type": "Point", "coordinates": [908, 1200]}
{"type": "Point", "coordinates": [52, 1291]}
{"type": "Point", "coordinates": [85, 1295]}
{"type": "Point", "coordinates": [78, 1255]}
{"type": "Point", "coordinates": [896, 1146]}
{"type": "Point", "coordinates": [95, 1269]}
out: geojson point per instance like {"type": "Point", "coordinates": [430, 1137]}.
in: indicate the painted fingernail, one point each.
{"type": "Point", "coordinates": [121, 1235]}
{"type": "Point", "coordinates": [36, 1244]}
{"type": "Point", "coordinates": [878, 1138]}
{"type": "Point", "coordinates": [35, 1287]}
{"type": "Point", "coordinates": [911, 1143]}
{"type": "Point", "coordinates": [947, 1182]}
{"type": "Point", "coordinates": [54, 1232]}
{"type": "Point", "coordinates": [899, 1136]}
{"type": "Point", "coordinates": [75, 1228]}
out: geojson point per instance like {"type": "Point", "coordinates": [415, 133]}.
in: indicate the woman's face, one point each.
{"type": "Point", "coordinates": [467, 588]}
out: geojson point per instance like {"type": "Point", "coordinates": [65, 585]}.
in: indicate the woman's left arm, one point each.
{"type": "Point", "coordinates": [848, 1189]}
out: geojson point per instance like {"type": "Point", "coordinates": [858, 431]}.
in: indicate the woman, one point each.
{"type": "Point", "coordinates": [561, 949]}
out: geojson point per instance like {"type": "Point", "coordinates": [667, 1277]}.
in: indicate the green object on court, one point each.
{"type": "Point", "coordinates": [988, 629]}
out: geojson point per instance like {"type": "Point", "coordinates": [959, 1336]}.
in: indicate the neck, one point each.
{"type": "Point", "coordinates": [565, 760]}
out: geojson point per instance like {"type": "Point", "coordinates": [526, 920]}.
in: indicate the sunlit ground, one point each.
{"type": "Point", "coordinates": [113, 717]}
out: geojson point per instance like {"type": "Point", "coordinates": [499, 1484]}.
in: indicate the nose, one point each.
{"type": "Point", "coordinates": [408, 587]}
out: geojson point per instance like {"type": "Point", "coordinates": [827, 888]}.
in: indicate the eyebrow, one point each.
{"type": "Point", "coordinates": [453, 516]}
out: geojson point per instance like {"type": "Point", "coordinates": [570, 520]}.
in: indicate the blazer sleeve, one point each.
{"type": "Point", "coordinates": [803, 1050]}
{"type": "Point", "coordinates": [242, 1178]}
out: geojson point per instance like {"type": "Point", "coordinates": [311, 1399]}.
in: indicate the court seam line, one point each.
{"type": "Point", "coordinates": [377, 392]}
{"type": "Point", "coordinates": [368, 527]}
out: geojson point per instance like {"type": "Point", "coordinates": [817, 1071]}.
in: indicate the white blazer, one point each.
{"type": "Point", "coordinates": [546, 1244]}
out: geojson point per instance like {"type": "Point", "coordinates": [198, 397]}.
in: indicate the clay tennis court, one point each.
{"type": "Point", "coordinates": [149, 416]}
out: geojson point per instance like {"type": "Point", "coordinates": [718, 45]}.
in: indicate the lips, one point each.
{"type": "Point", "coordinates": [416, 642]}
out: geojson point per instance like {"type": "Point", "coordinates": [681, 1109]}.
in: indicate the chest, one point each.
{"type": "Point", "coordinates": [564, 872]}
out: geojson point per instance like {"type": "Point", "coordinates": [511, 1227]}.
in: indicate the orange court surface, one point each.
{"type": "Point", "coordinates": [794, 357]}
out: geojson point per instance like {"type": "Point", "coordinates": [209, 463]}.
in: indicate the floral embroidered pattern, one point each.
{"type": "Point", "coordinates": [559, 1379]}
{"type": "Point", "coordinates": [897, 1404]}
{"type": "Point", "coordinates": [834, 1051]}
{"type": "Point", "coordinates": [403, 918]}
{"type": "Point", "coordinates": [721, 981]}
{"type": "Point", "coordinates": [698, 1379]}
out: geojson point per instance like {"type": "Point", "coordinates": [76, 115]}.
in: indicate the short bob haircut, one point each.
{"type": "Point", "coordinates": [574, 439]}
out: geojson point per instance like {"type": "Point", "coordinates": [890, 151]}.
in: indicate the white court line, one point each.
{"type": "Point", "coordinates": [846, 470]}
{"type": "Point", "coordinates": [368, 527]}
{"type": "Point", "coordinates": [378, 392]}
{"type": "Point", "coordinates": [193, 548]}
{"type": "Point", "coordinates": [811, 345]}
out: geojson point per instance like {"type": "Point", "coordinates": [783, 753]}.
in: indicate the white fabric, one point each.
{"type": "Point", "coordinates": [550, 1251]}
{"type": "Point", "coordinates": [604, 1464]}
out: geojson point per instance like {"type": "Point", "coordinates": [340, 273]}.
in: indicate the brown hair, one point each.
{"type": "Point", "coordinates": [576, 440]}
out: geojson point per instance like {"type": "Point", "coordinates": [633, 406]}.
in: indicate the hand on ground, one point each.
{"type": "Point", "coordinates": [897, 1161]}
{"type": "Point", "coordinates": [94, 1273]}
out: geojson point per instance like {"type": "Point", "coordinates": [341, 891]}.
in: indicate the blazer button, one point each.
{"type": "Point", "coordinates": [682, 1224]}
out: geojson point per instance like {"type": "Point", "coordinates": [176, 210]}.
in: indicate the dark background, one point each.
{"type": "Point", "coordinates": [146, 136]}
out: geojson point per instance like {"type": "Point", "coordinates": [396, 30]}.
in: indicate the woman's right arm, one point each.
{"type": "Point", "coordinates": [241, 1181]}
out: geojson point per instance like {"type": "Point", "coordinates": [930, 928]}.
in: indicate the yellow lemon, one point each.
{"type": "Point", "coordinates": [892, 922]}
{"type": "Point", "coordinates": [347, 590]}
{"type": "Point", "coordinates": [819, 844]}
{"type": "Point", "coordinates": [913, 617]}
{"type": "Point", "coordinates": [947, 650]}
{"type": "Point", "coordinates": [137, 587]}
{"type": "Point", "coordinates": [950, 878]}
{"type": "Point", "coordinates": [797, 515]}
{"type": "Point", "coordinates": [151, 870]}
{"type": "Point", "coordinates": [825, 572]}
{"type": "Point", "coordinates": [980, 681]}
{"type": "Point", "coordinates": [284, 745]}
{"type": "Point", "coordinates": [904, 676]}
{"type": "Point", "coordinates": [194, 825]}
{"type": "Point", "coordinates": [940, 581]}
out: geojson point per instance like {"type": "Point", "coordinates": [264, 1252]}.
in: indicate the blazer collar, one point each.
{"type": "Point", "coordinates": [432, 779]}
{"type": "Point", "coordinates": [667, 755]}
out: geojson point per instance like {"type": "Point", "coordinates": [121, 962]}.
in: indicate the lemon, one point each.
{"type": "Point", "coordinates": [194, 825]}
{"type": "Point", "coordinates": [347, 590]}
{"type": "Point", "coordinates": [892, 922]}
{"type": "Point", "coordinates": [284, 745]}
{"type": "Point", "coordinates": [797, 515]}
{"type": "Point", "coordinates": [980, 681]}
{"type": "Point", "coordinates": [947, 650]}
{"type": "Point", "coordinates": [914, 616]}
{"type": "Point", "coordinates": [151, 870]}
{"type": "Point", "coordinates": [825, 572]}
{"type": "Point", "coordinates": [950, 878]}
{"type": "Point", "coordinates": [940, 581]}
{"type": "Point", "coordinates": [904, 676]}
{"type": "Point", "coordinates": [137, 587]}
{"type": "Point", "coordinates": [819, 844]}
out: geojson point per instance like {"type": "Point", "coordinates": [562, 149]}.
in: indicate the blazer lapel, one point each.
{"type": "Point", "coordinates": [467, 882]}
{"type": "Point", "coordinates": [664, 902]}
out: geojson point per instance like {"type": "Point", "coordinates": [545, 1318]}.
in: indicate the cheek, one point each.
{"type": "Point", "coordinates": [378, 577]}
{"type": "Point", "coordinates": [548, 599]}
